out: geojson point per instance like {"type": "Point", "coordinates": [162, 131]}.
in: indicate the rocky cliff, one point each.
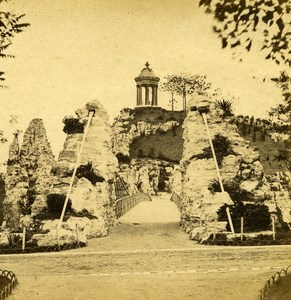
{"type": "Point", "coordinates": [28, 173]}
{"type": "Point", "coordinates": [240, 167]}
{"type": "Point", "coordinates": [93, 192]}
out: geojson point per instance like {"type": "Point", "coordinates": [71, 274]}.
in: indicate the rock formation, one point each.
{"type": "Point", "coordinates": [240, 168]}
{"type": "Point", "coordinates": [93, 192]}
{"type": "Point", "coordinates": [148, 176]}
{"type": "Point", "coordinates": [28, 173]}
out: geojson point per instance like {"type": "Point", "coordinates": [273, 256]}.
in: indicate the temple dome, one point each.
{"type": "Point", "coordinates": [147, 73]}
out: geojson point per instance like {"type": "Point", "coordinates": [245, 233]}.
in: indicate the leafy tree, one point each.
{"type": "Point", "coordinates": [185, 84]}
{"type": "Point", "coordinates": [10, 25]}
{"type": "Point", "coordinates": [282, 113]}
{"type": "Point", "coordinates": [240, 21]}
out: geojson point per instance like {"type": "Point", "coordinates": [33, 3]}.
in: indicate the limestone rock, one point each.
{"type": "Point", "coordinates": [28, 172]}
{"type": "Point", "coordinates": [93, 191]}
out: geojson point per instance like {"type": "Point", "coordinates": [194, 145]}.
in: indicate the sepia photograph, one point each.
{"type": "Point", "coordinates": [145, 150]}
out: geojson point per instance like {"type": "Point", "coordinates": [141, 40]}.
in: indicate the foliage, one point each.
{"type": "Point", "coordinates": [24, 206]}
{"type": "Point", "coordinates": [10, 25]}
{"type": "Point", "coordinates": [222, 147]}
{"type": "Point", "coordinates": [123, 158]}
{"type": "Point", "coordinates": [256, 216]}
{"type": "Point", "coordinates": [281, 114]}
{"type": "Point", "coordinates": [283, 156]}
{"type": "Point", "coordinates": [240, 21]}
{"type": "Point", "coordinates": [84, 214]}
{"type": "Point", "coordinates": [226, 106]}
{"type": "Point", "coordinates": [185, 84]}
{"type": "Point", "coordinates": [14, 240]}
{"type": "Point", "coordinates": [55, 203]}
{"type": "Point", "coordinates": [87, 171]}
{"type": "Point", "coordinates": [73, 125]}
{"type": "Point", "coordinates": [231, 187]}
{"type": "Point", "coordinates": [2, 137]}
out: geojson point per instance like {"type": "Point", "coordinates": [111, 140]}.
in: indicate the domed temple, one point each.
{"type": "Point", "coordinates": [147, 87]}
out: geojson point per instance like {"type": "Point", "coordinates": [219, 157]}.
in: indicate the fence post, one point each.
{"type": "Point", "coordinates": [23, 238]}
{"type": "Point", "coordinates": [273, 227]}
{"type": "Point", "coordinates": [241, 228]}
{"type": "Point", "coordinates": [200, 228]}
{"type": "Point", "coordinates": [77, 233]}
{"type": "Point", "coordinates": [57, 231]}
{"type": "Point", "coordinates": [215, 229]}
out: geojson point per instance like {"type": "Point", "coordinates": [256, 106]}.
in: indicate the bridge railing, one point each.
{"type": "Point", "coordinates": [177, 200]}
{"type": "Point", "coordinates": [9, 284]}
{"type": "Point", "coordinates": [273, 280]}
{"type": "Point", "coordinates": [125, 204]}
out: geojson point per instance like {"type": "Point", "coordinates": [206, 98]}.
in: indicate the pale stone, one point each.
{"type": "Point", "coordinates": [249, 186]}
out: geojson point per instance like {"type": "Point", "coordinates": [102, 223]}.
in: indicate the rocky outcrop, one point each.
{"type": "Point", "coordinates": [148, 176]}
{"type": "Point", "coordinates": [240, 168]}
{"type": "Point", "coordinates": [28, 173]}
{"type": "Point", "coordinates": [93, 191]}
{"type": "Point", "coordinates": [127, 127]}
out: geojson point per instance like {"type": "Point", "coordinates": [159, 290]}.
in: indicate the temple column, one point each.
{"type": "Point", "coordinates": [154, 96]}
{"type": "Point", "coordinates": [137, 96]}
{"type": "Point", "coordinates": [140, 95]}
{"type": "Point", "coordinates": [147, 102]}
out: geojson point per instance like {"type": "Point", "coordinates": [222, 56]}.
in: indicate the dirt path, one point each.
{"type": "Point", "coordinates": [146, 262]}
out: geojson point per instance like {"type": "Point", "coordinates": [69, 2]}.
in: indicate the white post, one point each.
{"type": "Point", "coordinates": [91, 113]}
{"type": "Point", "coordinates": [57, 233]}
{"type": "Point", "coordinates": [273, 227]}
{"type": "Point", "coordinates": [77, 233]}
{"type": "Point", "coordinates": [23, 238]}
{"type": "Point", "coordinates": [241, 228]}
{"type": "Point", "coordinates": [215, 229]}
{"type": "Point", "coordinates": [200, 228]}
{"type": "Point", "coordinates": [217, 169]}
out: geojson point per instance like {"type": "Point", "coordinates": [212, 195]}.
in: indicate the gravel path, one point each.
{"type": "Point", "coordinates": [147, 262]}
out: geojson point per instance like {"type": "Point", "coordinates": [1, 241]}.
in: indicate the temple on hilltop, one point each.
{"type": "Point", "coordinates": [147, 87]}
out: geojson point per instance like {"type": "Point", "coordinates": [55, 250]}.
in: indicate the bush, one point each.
{"type": "Point", "coordinates": [73, 125]}
{"type": "Point", "coordinates": [55, 203]}
{"type": "Point", "coordinates": [123, 158]}
{"type": "Point", "coordinates": [226, 106]}
{"type": "Point", "coordinates": [87, 172]}
{"type": "Point", "coordinates": [222, 148]}
{"type": "Point", "coordinates": [256, 216]}
{"type": "Point", "coordinates": [230, 186]}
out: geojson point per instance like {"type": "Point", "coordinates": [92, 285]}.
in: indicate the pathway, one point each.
{"type": "Point", "coordinates": [159, 210]}
{"type": "Point", "coordinates": [146, 261]}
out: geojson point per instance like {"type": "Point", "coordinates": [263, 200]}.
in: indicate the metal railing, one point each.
{"type": "Point", "coordinates": [9, 284]}
{"type": "Point", "coordinates": [125, 204]}
{"type": "Point", "coordinates": [177, 200]}
{"type": "Point", "coordinates": [273, 280]}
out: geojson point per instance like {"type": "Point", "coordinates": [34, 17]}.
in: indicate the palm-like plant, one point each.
{"type": "Point", "coordinates": [226, 106]}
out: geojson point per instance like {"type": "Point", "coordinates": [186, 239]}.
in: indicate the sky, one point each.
{"type": "Point", "coordinates": [76, 51]}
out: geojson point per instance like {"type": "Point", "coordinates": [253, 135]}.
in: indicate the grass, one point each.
{"type": "Point", "coordinates": [267, 148]}
{"type": "Point", "coordinates": [164, 146]}
{"type": "Point", "coordinates": [281, 290]}
{"type": "Point", "coordinates": [161, 145]}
